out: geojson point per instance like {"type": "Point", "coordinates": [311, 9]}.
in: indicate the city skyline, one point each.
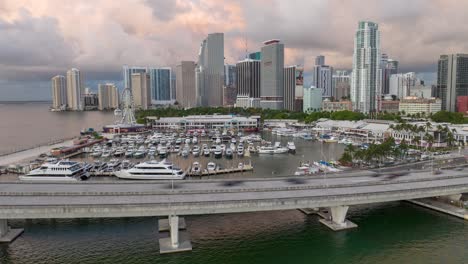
{"type": "Point", "coordinates": [27, 66]}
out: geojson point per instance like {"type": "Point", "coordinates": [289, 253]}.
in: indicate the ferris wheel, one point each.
{"type": "Point", "coordinates": [128, 107]}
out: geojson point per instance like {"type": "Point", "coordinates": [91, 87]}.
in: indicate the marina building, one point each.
{"type": "Point", "coordinates": [205, 122]}
{"type": "Point", "coordinates": [210, 71]}
{"type": "Point", "coordinates": [141, 90]}
{"type": "Point", "coordinates": [452, 79]}
{"type": "Point", "coordinates": [59, 92]}
{"type": "Point", "coordinates": [414, 105]}
{"type": "Point", "coordinates": [186, 95]}
{"type": "Point", "coordinates": [108, 95]}
{"type": "Point", "coordinates": [272, 75]}
{"type": "Point", "coordinates": [75, 90]}
{"type": "Point", "coordinates": [312, 99]}
{"type": "Point", "coordinates": [366, 76]}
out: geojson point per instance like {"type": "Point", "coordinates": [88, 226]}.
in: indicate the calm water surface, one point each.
{"type": "Point", "coordinates": [395, 232]}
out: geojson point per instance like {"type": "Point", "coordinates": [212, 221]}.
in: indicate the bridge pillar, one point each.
{"type": "Point", "coordinates": [338, 220]}
{"type": "Point", "coordinates": [177, 241]}
{"type": "Point", "coordinates": [8, 234]}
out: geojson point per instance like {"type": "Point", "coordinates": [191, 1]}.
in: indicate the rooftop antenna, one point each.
{"type": "Point", "coordinates": [246, 48]}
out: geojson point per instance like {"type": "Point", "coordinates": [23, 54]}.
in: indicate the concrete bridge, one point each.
{"type": "Point", "coordinates": [20, 200]}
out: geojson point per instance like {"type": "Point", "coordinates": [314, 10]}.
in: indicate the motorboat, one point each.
{"type": "Point", "coordinates": [240, 152]}
{"type": "Point", "coordinates": [62, 170]}
{"type": "Point", "coordinates": [206, 152]}
{"type": "Point", "coordinates": [195, 140]}
{"type": "Point", "coordinates": [196, 151]}
{"type": "Point", "coordinates": [240, 166]}
{"type": "Point", "coordinates": [129, 152]}
{"type": "Point", "coordinates": [140, 153]}
{"type": "Point", "coordinates": [251, 149]}
{"type": "Point", "coordinates": [228, 153]}
{"type": "Point", "coordinates": [269, 149]}
{"type": "Point", "coordinates": [163, 152]}
{"type": "Point", "coordinates": [211, 167]}
{"type": "Point", "coordinates": [233, 140]}
{"type": "Point", "coordinates": [152, 170]}
{"type": "Point", "coordinates": [185, 152]}
{"type": "Point", "coordinates": [218, 153]}
{"type": "Point", "coordinates": [306, 169]}
{"type": "Point", "coordinates": [213, 148]}
{"type": "Point", "coordinates": [196, 168]}
{"type": "Point", "coordinates": [291, 147]}
{"type": "Point", "coordinates": [120, 151]}
{"type": "Point", "coordinates": [125, 165]}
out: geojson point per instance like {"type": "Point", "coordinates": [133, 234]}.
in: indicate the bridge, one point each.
{"type": "Point", "coordinates": [20, 200]}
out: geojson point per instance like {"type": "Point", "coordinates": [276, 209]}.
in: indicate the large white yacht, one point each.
{"type": "Point", "coordinates": [63, 170]}
{"type": "Point", "coordinates": [276, 149]}
{"type": "Point", "coordinates": [152, 170]}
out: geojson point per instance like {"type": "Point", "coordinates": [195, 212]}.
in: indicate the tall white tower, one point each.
{"type": "Point", "coordinates": [75, 90]}
{"type": "Point", "coordinates": [366, 78]}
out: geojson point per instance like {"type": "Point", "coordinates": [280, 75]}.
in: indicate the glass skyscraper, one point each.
{"type": "Point", "coordinates": [452, 79]}
{"type": "Point", "coordinates": [367, 74]}
{"type": "Point", "coordinates": [160, 83]}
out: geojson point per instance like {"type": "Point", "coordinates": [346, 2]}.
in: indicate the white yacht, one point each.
{"type": "Point", "coordinates": [291, 147]}
{"type": "Point", "coordinates": [272, 150]}
{"type": "Point", "coordinates": [59, 171]}
{"type": "Point", "coordinates": [152, 170]}
{"type": "Point", "coordinates": [196, 168]}
{"type": "Point", "coordinates": [211, 167]}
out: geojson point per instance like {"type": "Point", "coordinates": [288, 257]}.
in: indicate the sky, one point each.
{"type": "Point", "coordinates": [42, 38]}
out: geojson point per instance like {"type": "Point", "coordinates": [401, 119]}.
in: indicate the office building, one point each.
{"type": "Point", "coordinates": [330, 106]}
{"type": "Point", "coordinates": [248, 83]}
{"type": "Point", "coordinates": [75, 90]}
{"type": "Point", "coordinates": [366, 76]}
{"type": "Point", "coordinates": [322, 77]}
{"type": "Point", "coordinates": [141, 90]}
{"type": "Point", "coordinates": [452, 79]}
{"type": "Point", "coordinates": [462, 104]}
{"type": "Point", "coordinates": [414, 105]}
{"type": "Point", "coordinates": [401, 84]}
{"type": "Point", "coordinates": [312, 99]}
{"type": "Point", "coordinates": [272, 73]}
{"type": "Point", "coordinates": [91, 101]}
{"type": "Point", "coordinates": [59, 92]}
{"type": "Point", "coordinates": [389, 67]}
{"type": "Point", "coordinates": [127, 74]}
{"type": "Point", "coordinates": [390, 106]}
{"type": "Point", "coordinates": [160, 83]}
{"type": "Point", "coordinates": [341, 83]}
{"type": "Point", "coordinates": [173, 86]}
{"type": "Point", "coordinates": [293, 87]}
{"type": "Point", "coordinates": [230, 75]}
{"type": "Point", "coordinates": [210, 71]}
{"type": "Point", "coordinates": [186, 93]}
{"type": "Point", "coordinates": [255, 55]}
{"type": "Point", "coordinates": [108, 95]}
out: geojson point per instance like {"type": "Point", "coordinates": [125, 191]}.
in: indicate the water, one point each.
{"type": "Point", "coordinates": [395, 232]}
{"type": "Point", "coordinates": [27, 125]}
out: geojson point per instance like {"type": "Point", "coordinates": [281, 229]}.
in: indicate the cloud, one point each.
{"type": "Point", "coordinates": [42, 38]}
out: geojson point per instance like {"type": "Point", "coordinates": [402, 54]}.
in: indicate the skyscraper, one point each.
{"type": "Point", "coordinates": [452, 79]}
{"type": "Point", "coordinates": [341, 81]}
{"type": "Point", "coordinates": [59, 92]}
{"type": "Point", "coordinates": [272, 75]}
{"type": "Point", "coordinates": [389, 67]}
{"type": "Point", "coordinates": [141, 90]}
{"type": "Point", "coordinates": [323, 77]}
{"type": "Point", "coordinates": [366, 76]}
{"type": "Point", "coordinates": [402, 83]}
{"type": "Point", "coordinates": [230, 75]}
{"type": "Point", "coordinates": [75, 90]}
{"type": "Point", "coordinates": [127, 74]}
{"type": "Point", "coordinates": [248, 83]}
{"type": "Point", "coordinates": [293, 87]}
{"type": "Point", "coordinates": [186, 93]}
{"type": "Point", "coordinates": [210, 71]}
{"type": "Point", "coordinates": [255, 55]}
{"type": "Point", "coordinates": [312, 99]}
{"type": "Point", "coordinates": [108, 96]}
{"type": "Point", "coordinates": [160, 83]}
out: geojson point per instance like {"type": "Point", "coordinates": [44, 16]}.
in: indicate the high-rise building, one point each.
{"type": "Point", "coordinates": [108, 95]}
{"type": "Point", "coordinates": [401, 84]}
{"type": "Point", "coordinates": [173, 86]}
{"type": "Point", "coordinates": [293, 88]}
{"type": "Point", "coordinates": [323, 77]}
{"type": "Point", "coordinates": [141, 90]}
{"type": "Point", "coordinates": [186, 93]}
{"type": "Point", "coordinates": [160, 82]}
{"type": "Point", "coordinates": [127, 74]}
{"type": "Point", "coordinates": [91, 101]}
{"type": "Point", "coordinates": [75, 90]}
{"type": "Point", "coordinates": [312, 99]}
{"type": "Point", "coordinates": [255, 55]}
{"type": "Point", "coordinates": [59, 92]}
{"type": "Point", "coordinates": [366, 76]}
{"type": "Point", "coordinates": [248, 83]}
{"type": "Point", "coordinates": [210, 71]}
{"type": "Point", "coordinates": [272, 73]}
{"type": "Point", "coordinates": [389, 67]}
{"type": "Point", "coordinates": [230, 75]}
{"type": "Point", "coordinates": [452, 79]}
{"type": "Point", "coordinates": [341, 82]}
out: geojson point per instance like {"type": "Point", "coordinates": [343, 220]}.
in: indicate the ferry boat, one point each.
{"type": "Point", "coordinates": [59, 171]}
{"type": "Point", "coordinates": [152, 170]}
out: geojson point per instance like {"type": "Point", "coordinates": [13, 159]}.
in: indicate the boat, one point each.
{"type": "Point", "coordinates": [211, 167]}
{"type": "Point", "coordinates": [240, 152]}
{"type": "Point", "coordinates": [195, 140]}
{"type": "Point", "coordinates": [129, 152]}
{"type": "Point", "coordinates": [228, 153]}
{"type": "Point", "coordinates": [196, 168]}
{"type": "Point", "coordinates": [125, 165]}
{"type": "Point", "coordinates": [218, 153]}
{"type": "Point", "coordinates": [206, 152]}
{"type": "Point", "coordinates": [240, 166]}
{"type": "Point", "coordinates": [185, 152]}
{"type": "Point", "coordinates": [62, 170]}
{"type": "Point", "coordinates": [163, 152]}
{"type": "Point", "coordinates": [269, 149]}
{"type": "Point", "coordinates": [330, 140]}
{"type": "Point", "coordinates": [306, 169]}
{"type": "Point", "coordinates": [251, 149]}
{"type": "Point", "coordinates": [98, 166]}
{"type": "Point", "coordinates": [307, 137]}
{"type": "Point", "coordinates": [140, 153]}
{"type": "Point", "coordinates": [291, 147]}
{"type": "Point", "coordinates": [196, 151]}
{"type": "Point", "coordinates": [152, 170]}
{"type": "Point", "coordinates": [96, 153]}
{"type": "Point", "coordinates": [233, 140]}
{"type": "Point", "coordinates": [120, 151]}
{"type": "Point", "coordinates": [106, 153]}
